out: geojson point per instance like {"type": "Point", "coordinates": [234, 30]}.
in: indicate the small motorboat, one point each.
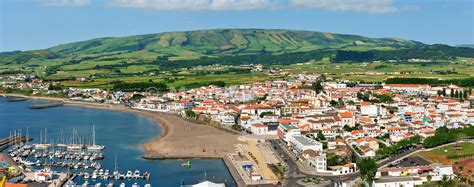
{"type": "Point", "coordinates": [122, 184]}
{"type": "Point", "coordinates": [136, 174]}
{"type": "Point", "coordinates": [129, 174]}
{"type": "Point", "coordinates": [86, 175]}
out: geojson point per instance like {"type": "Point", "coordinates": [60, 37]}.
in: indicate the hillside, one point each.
{"type": "Point", "coordinates": [196, 44]}
{"type": "Point", "coordinates": [168, 57]}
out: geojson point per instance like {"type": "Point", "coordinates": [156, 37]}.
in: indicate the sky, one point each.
{"type": "Point", "coordinates": [39, 24]}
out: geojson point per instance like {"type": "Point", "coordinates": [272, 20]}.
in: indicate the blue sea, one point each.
{"type": "Point", "coordinates": [122, 133]}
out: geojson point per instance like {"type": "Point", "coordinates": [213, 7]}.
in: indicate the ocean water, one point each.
{"type": "Point", "coordinates": [122, 133]}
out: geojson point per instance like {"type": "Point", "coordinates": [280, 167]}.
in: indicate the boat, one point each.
{"type": "Point", "coordinates": [136, 174]}
{"type": "Point", "coordinates": [85, 184]}
{"type": "Point", "coordinates": [146, 175]}
{"type": "Point", "coordinates": [110, 184]}
{"type": "Point", "coordinates": [147, 185]}
{"type": "Point", "coordinates": [106, 174]}
{"type": "Point", "coordinates": [135, 185]}
{"type": "Point", "coordinates": [86, 175]}
{"type": "Point", "coordinates": [94, 146]}
{"type": "Point", "coordinates": [116, 173]}
{"type": "Point", "coordinates": [129, 174]}
{"type": "Point", "coordinates": [94, 175]}
{"type": "Point", "coordinates": [186, 164]}
{"type": "Point", "coordinates": [98, 185]}
{"type": "Point", "coordinates": [122, 184]}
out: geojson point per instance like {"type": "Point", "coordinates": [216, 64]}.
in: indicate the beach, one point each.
{"type": "Point", "coordinates": [181, 139]}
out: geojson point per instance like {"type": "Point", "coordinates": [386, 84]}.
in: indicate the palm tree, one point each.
{"type": "Point", "coordinates": [429, 177]}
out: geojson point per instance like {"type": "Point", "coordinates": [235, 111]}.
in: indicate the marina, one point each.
{"type": "Point", "coordinates": [118, 163]}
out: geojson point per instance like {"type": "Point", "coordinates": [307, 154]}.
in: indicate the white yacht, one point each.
{"type": "Point", "coordinates": [94, 146]}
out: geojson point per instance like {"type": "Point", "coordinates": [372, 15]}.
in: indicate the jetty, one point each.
{"type": "Point", "coordinates": [16, 98]}
{"type": "Point", "coordinates": [49, 105]}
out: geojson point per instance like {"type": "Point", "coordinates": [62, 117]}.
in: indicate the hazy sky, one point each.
{"type": "Point", "coordinates": [38, 24]}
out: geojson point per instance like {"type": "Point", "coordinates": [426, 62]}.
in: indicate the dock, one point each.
{"type": "Point", "coordinates": [49, 105]}
{"type": "Point", "coordinates": [16, 98]}
{"type": "Point", "coordinates": [6, 142]}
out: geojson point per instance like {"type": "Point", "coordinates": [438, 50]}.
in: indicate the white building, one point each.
{"type": "Point", "coordinates": [397, 182]}
{"type": "Point", "coordinates": [300, 143]}
{"type": "Point", "coordinates": [259, 129]}
{"type": "Point", "coordinates": [368, 109]}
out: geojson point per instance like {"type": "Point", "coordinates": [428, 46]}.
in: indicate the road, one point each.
{"type": "Point", "coordinates": [294, 172]}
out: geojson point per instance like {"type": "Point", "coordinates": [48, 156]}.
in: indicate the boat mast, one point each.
{"type": "Point", "coordinates": [27, 135]}
{"type": "Point", "coordinates": [93, 134]}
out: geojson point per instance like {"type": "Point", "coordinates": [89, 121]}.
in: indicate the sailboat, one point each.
{"type": "Point", "coordinates": [74, 145]}
{"type": "Point", "coordinates": [116, 172]}
{"type": "Point", "coordinates": [94, 146]}
{"type": "Point", "coordinates": [43, 145]}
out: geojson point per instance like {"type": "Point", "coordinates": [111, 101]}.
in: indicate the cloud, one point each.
{"type": "Point", "coordinates": [197, 5]}
{"type": "Point", "coordinates": [368, 6]}
{"type": "Point", "coordinates": [65, 3]}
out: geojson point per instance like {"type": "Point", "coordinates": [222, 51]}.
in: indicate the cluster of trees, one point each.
{"type": "Point", "coordinates": [337, 161]}
{"type": "Point", "coordinates": [379, 98]}
{"type": "Point", "coordinates": [140, 86]}
{"type": "Point", "coordinates": [265, 59]}
{"type": "Point", "coordinates": [444, 135]}
{"type": "Point", "coordinates": [367, 169]}
{"type": "Point", "coordinates": [217, 83]}
{"type": "Point", "coordinates": [393, 149]}
{"type": "Point", "coordinates": [433, 52]}
{"type": "Point", "coordinates": [461, 95]}
{"type": "Point", "coordinates": [56, 87]}
{"type": "Point", "coordinates": [467, 82]}
{"type": "Point", "coordinates": [190, 114]}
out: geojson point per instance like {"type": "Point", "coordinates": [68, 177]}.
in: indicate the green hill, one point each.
{"type": "Point", "coordinates": [168, 56]}
{"type": "Point", "coordinates": [196, 44]}
{"type": "Point", "coordinates": [227, 41]}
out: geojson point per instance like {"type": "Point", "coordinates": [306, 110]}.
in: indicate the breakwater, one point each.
{"type": "Point", "coordinates": [48, 105]}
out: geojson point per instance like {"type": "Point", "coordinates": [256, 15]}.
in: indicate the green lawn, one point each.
{"type": "Point", "coordinates": [449, 155]}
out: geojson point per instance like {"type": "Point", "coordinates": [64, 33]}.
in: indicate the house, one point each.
{"type": "Point", "coordinates": [315, 159]}
{"type": "Point", "coordinates": [368, 109]}
{"type": "Point", "coordinates": [347, 119]}
{"type": "Point", "coordinates": [348, 168]}
{"type": "Point", "coordinates": [398, 181]}
{"type": "Point", "coordinates": [259, 129]}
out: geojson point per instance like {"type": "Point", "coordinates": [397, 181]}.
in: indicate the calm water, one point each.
{"type": "Point", "coordinates": [120, 132]}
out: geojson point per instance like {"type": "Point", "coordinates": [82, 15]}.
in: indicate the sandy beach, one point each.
{"type": "Point", "coordinates": [181, 138]}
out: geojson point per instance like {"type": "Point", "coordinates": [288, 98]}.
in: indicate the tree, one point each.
{"type": "Point", "coordinates": [190, 114]}
{"type": "Point", "coordinates": [265, 113]}
{"type": "Point", "coordinates": [321, 136]}
{"type": "Point", "coordinates": [451, 93]}
{"type": "Point", "coordinates": [444, 92]}
{"type": "Point", "coordinates": [333, 103]}
{"type": "Point", "coordinates": [465, 94]}
{"type": "Point", "coordinates": [367, 168]}
{"type": "Point", "coordinates": [317, 86]}
{"type": "Point", "coordinates": [217, 83]}
{"type": "Point", "coordinates": [429, 177]}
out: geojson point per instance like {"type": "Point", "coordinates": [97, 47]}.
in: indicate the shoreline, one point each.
{"type": "Point", "coordinates": [180, 138]}
{"type": "Point", "coordinates": [163, 120]}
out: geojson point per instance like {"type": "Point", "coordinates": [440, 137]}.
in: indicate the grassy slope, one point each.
{"type": "Point", "coordinates": [81, 59]}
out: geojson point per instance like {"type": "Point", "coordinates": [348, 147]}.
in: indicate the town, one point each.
{"type": "Point", "coordinates": [313, 130]}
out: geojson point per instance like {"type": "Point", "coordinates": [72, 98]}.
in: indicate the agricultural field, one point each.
{"type": "Point", "coordinates": [464, 68]}
{"type": "Point", "coordinates": [450, 154]}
